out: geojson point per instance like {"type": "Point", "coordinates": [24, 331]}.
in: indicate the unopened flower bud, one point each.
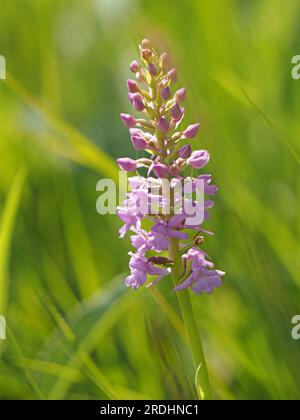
{"type": "Point", "coordinates": [164, 61]}
{"type": "Point", "coordinates": [180, 95]}
{"type": "Point", "coordinates": [128, 120]}
{"type": "Point", "coordinates": [152, 69]}
{"type": "Point", "coordinates": [191, 131]}
{"type": "Point", "coordinates": [172, 76]}
{"type": "Point", "coordinates": [163, 124]}
{"type": "Point", "coordinates": [132, 86]}
{"type": "Point", "coordinates": [199, 159]}
{"type": "Point", "coordinates": [185, 151]}
{"type": "Point", "coordinates": [146, 54]}
{"type": "Point", "coordinates": [177, 112]}
{"type": "Point", "coordinates": [137, 101]}
{"type": "Point", "coordinates": [145, 44]}
{"type": "Point", "coordinates": [166, 93]}
{"type": "Point", "coordinates": [127, 164]}
{"type": "Point", "coordinates": [138, 142]}
{"type": "Point", "coordinates": [160, 170]}
{"type": "Point", "coordinates": [135, 66]}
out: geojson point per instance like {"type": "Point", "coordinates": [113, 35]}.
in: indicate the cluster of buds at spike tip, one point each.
{"type": "Point", "coordinates": [161, 133]}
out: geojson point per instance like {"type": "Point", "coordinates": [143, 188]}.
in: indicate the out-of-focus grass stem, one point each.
{"type": "Point", "coordinates": [203, 387]}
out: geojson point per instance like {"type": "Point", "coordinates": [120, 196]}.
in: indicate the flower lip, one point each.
{"type": "Point", "coordinates": [202, 278]}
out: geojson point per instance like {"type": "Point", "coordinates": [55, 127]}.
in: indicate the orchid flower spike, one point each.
{"type": "Point", "coordinates": [159, 133]}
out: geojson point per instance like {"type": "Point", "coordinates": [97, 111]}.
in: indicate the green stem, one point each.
{"type": "Point", "coordinates": [204, 390]}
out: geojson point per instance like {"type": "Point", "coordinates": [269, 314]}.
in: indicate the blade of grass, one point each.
{"type": "Point", "coordinates": [79, 335]}
{"type": "Point", "coordinates": [170, 313]}
{"type": "Point", "coordinates": [28, 375]}
{"type": "Point", "coordinates": [85, 267]}
{"type": "Point", "coordinates": [6, 231]}
{"type": "Point", "coordinates": [272, 125]}
{"type": "Point", "coordinates": [81, 355]}
{"type": "Point", "coordinates": [92, 154]}
{"type": "Point", "coordinates": [289, 256]}
{"type": "Point", "coordinates": [48, 368]}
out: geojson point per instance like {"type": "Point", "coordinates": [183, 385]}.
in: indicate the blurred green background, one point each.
{"type": "Point", "coordinates": [74, 331]}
